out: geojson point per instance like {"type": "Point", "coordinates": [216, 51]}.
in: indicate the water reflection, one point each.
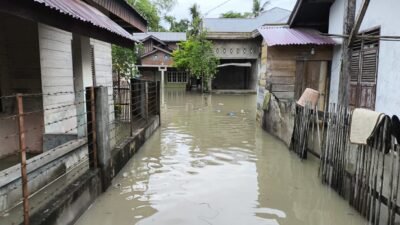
{"type": "Point", "coordinates": [211, 164]}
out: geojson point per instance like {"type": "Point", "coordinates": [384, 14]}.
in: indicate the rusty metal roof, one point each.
{"type": "Point", "coordinates": [276, 36]}
{"type": "Point", "coordinates": [86, 13]}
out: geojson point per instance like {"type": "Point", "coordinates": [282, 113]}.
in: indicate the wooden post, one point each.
{"type": "Point", "coordinates": [22, 146]}
{"type": "Point", "coordinates": [360, 18]}
{"type": "Point", "coordinates": [344, 80]}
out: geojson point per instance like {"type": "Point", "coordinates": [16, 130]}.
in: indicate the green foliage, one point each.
{"type": "Point", "coordinates": [149, 11]}
{"type": "Point", "coordinates": [232, 14]}
{"type": "Point", "coordinates": [195, 26]}
{"type": "Point", "coordinates": [175, 26]}
{"type": "Point", "coordinates": [164, 6]}
{"type": "Point", "coordinates": [256, 7]}
{"type": "Point", "coordinates": [124, 60]}
{"type": "Point", "coordinates": [196, 54]}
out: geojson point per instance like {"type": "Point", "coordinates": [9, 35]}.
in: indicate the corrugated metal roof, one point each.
{"type": "Point", "coordinates": [273, 16]}
{"type": "Point", "coordinates": [86, 13]}
{"type": "Point", "coordinates": [274, 36]}
{"type": "Point", "coordinates": [163, 36]}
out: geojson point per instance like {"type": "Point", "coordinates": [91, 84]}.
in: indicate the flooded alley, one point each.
{"type": "Point", "coordinates": [210, 163]}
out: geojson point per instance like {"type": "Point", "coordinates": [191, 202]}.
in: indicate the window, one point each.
{"type": "Point", "coordinates": [177, 77]}
{"type": "Point", "coordinates": [166, 57]}
{"type": "Point", "coordinates": [364, 70]}
{"type": "Point", "coordinates": [155, 57]}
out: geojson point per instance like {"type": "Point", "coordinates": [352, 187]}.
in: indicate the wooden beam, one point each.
{"type": "Point", "coordinates": [344, 79]}
{"type": "Point", "coordinates": [359, 19]}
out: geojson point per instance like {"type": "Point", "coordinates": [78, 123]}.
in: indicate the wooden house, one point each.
{"type": "Point", "coordinates": [294, 59]}
{"type": "Point", "coordinates": [156, 62]}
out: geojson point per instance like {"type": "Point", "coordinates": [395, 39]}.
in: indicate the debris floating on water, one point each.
{"type": "Point", "coordinates": [231, 114]}
{"type": "Point", "coordinates": [242, 111]}
{"type": "Point", "coordinates": [221, 104]}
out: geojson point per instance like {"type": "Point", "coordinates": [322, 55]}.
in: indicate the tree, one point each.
{"type": "Point", "coordinates": [164, 6]}
{"type": "Point", "coordinates": [124, 59]}
{"type": "Point", "coordinates": [232, 14]}
{"type": "Point", "coordinates": [196, 54]}
{"type": "Point", "coordinates": [175, 26]}
{"type": "Point", "coordinates": [149, 11]}
{"type": "Point", "coordinates": [256, 7]}
{"type": "Point", "coordinates": [195, 26]}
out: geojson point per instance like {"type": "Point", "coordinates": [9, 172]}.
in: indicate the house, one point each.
{"type": "Point", "coordinates": [156, 62]}
{"type": "Point", "coordinates": [373, 79]}
{"type": "Point", "coordinates": [294, 59]}
{"type": "Point", "coordinates": [50, 52]}
{"type": "Point", "coordinates": [373, 61]}
{"type": "Point", "coordinates": [237, 45]}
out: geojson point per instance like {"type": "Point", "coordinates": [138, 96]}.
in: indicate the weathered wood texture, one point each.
{"type": "Point", "coordinates": [344, 79]}
{"type": "Point", "coordinates": [57, 75]}
{"type": "Point", "coordinates": [285, 77]}
{"type": "Point", "coordinates": [157, 58]}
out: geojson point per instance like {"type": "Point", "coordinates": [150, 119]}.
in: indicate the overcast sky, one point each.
{"type": "Point", "coordinates": [181, 10]}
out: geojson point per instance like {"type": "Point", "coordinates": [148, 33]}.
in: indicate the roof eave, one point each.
{"type": "Point", "coordinates": [40, 13]}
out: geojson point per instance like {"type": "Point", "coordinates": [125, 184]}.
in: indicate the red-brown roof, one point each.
{"type": "Point", "coordinates": [275, 36]}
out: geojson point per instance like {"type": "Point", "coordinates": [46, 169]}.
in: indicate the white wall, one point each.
{"type": "Point", "coordinates": [336, 27]}
{"type": "Point", "coordinates": [57, 76]}
{"type": "Point", "coordinates": [383, 13]}
{"type": "Point", "coordinates": [103, 68]}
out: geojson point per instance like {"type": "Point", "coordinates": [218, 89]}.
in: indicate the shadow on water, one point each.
{"type": "Point", "coordinates": [210, 163]}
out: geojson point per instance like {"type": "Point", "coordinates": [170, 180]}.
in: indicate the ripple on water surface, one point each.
{"type": "Point", "coordinates": [211, 164]}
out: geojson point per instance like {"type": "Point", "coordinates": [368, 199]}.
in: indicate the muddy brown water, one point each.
{"type": "Point", "coordinates": [210, 163]}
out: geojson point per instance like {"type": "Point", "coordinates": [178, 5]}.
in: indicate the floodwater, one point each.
{"type": "Point", "coordinates": [210, 163]}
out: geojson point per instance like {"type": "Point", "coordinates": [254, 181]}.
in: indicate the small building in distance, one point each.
{"type": "Point", "coordinates": [292, 60]}
{"type": "Point", "coordinates": [156, 61]}
{"type": "Point", "coordinates": [237, 44]}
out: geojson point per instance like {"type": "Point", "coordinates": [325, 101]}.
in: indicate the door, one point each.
{"type": "Point", "coordinates": [314, 75]}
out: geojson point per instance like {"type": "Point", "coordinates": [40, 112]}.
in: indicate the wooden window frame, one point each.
{"type": "Point", "coordinates": [365, 57]}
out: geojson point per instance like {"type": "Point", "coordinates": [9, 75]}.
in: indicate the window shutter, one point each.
{"type": "Point", "coordinates": [369, 66]}
{"type": "Point", "coordinates": [364, 70]}
{"type": "Point", "coordinates": [355, 66]}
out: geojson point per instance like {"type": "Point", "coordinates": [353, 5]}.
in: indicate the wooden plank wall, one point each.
{"type": "Point", "coordinates": [283, 68]}
{"type": "Point", "coordinates": [103, 69]}
{"type": "Point", "coordinates": [57, 75]}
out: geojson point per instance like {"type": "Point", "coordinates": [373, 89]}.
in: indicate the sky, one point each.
{"type": "Point", "coordinates": [181, 10]}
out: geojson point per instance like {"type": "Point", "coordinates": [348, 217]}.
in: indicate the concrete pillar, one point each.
{"type": "Point", "coordinates": [103, 135]}
{"type": "Point", "coordinates": [162, 70]}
